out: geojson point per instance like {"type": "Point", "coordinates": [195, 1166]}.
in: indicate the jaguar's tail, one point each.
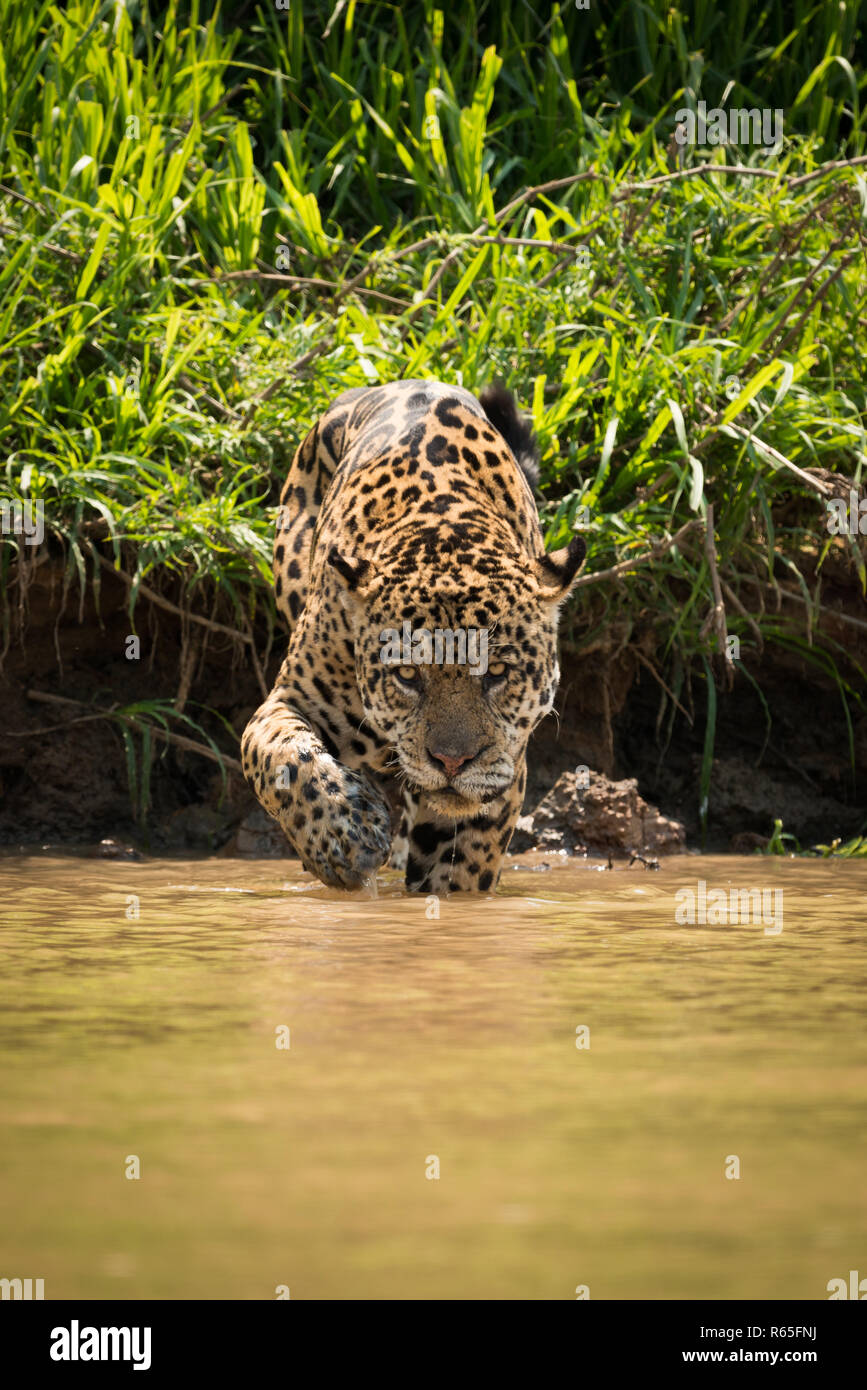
{"type": "Point", "coordinates": [499, 406]}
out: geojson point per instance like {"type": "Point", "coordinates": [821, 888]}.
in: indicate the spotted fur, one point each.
{"type": "Point", "coordinates": [407, 502]}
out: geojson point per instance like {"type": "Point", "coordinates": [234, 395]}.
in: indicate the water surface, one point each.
{"type": "Point", "coordinates": [417, 1042]}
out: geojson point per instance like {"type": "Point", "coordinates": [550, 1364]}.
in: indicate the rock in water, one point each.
{"type": "Point", "coordinates": [114, 849]}
{"type": "Point", "coordinates": [594, 814]}
{"type": "Point", "coordinates": [259, 837]}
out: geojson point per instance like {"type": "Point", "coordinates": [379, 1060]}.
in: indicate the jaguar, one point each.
{"type": "Point", "coordinates": [409, 506]}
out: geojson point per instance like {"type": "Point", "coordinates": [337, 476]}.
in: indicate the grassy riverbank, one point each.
{"type": "Point", "coordinates": [212, 224]}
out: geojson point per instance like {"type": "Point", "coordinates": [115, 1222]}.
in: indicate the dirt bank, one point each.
{"type": "Point", "coordinates": [64, 773]}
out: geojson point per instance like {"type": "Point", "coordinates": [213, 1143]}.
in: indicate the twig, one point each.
{"type": "Point", "coordinates": [190, 651]}
{"type": "Point", "coordinates": [826, 169]}
{"type": "Point", "coordinates": [745, 614]}
{"type": "Point", "coordinates": [428, 294]}
{"type": "Point", "coordinates": [275, 277]}
{"type": "Point", "coordinates": [153, 597]}
{"type": "Point", "coordinates": [763, 349]}
{"type": "Point", "coordinates": [645, 661]}
{"type": "Point", "coordinates": [217, 406]}
{"type": "Point", "coordinates": [274, 386]}
{"type": "Point", "coordinates": [626, 189]}
{"type": "Point", "coordinates": [601, 576]}
{"type": "Point", "coordinates": [717, 615]}
{"type": "Point", "coordinates": [49, 245]}
{"type": "Point", "coordinates": [393, 256]}
{"type": "Point", "coordinates": [820, 293]}
{"type": "Point", "coordinates": [256, 664]}
{"type": "Point", "coordinates": [553, 185]}
{"type": "Point", "coordinates": [482, 232]}
{"type": "Point", "coordinates": [824, 489]}
{"type": "Point", "coordinates": [550, 187]}
{"type": "Point", "coordinates": [776, 457]}
{"type": "Point", "coordinates": [630, 235]}
{"type": "Point", "coordinates": [546, 279]}
{"type": "Point", "coordinates": [22, 198]}
{"type": "Point", "coordinates": [571, 248]}
{"type": "Point", "coordinates": [206, 115]}
{"type": "Point", "coordinates": [788, 242]}
{"type": "Point", "coordinates": [779, 593]}
{"type": "Point", "coordinates": [188, 745]}
{"type": "Point", "coordinates": [53, 728]}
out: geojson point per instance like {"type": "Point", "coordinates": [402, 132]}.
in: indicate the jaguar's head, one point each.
{"type": "Point", "coordinates": [457, 664]}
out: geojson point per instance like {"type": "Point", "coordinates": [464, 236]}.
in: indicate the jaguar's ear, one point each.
{"type": "Point", "coordinates": [555, 572]}
{"type": "Point", "coordinates": [353, 572]}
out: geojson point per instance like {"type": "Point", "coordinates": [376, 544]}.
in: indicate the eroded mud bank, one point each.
{"type": "Point", "coordinates": [64, 773]}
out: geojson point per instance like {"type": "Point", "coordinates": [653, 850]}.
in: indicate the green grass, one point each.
{"type": "Point", "coordinates": [681, 344]}
{"type": "Point", "coordinates": [782, 843]}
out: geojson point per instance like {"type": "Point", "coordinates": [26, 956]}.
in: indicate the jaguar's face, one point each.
{"type": "Point", "coordinates": [458, 727]}
{"type": "Point", "coordinates": [455, 678]}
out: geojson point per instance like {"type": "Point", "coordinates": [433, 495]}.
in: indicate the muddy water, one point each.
{"type": "Point", "coordinates": [417, 1042]}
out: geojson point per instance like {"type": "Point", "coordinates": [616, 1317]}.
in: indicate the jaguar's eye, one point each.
{"type": "Point", "coordinates": [407, 675]}
{"type": "Point", "coordinates": [495, 675]}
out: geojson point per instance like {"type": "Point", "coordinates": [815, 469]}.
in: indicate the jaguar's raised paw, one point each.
{"type": "Point", "coordinates": [352, 839]}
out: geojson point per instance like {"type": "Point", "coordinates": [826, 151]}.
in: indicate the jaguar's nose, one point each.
{"type": "Point", "coordinates": [450, 762]}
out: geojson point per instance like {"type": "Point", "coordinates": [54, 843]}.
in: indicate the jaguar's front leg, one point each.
{"type": "Point", "coordinates": [333, 816]}
{"type": "Point", "coordinates": [447, 856]}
